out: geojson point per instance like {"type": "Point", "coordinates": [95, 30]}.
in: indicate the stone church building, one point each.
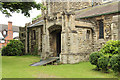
{"type": "Point", "coordinates": [72, 30]}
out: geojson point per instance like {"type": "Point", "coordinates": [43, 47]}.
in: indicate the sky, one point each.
{"type": "Point", "coordinates": [19, 19]}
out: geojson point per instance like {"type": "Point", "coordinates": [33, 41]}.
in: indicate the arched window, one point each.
{"type": "Point", "coordinates": [101, 29]}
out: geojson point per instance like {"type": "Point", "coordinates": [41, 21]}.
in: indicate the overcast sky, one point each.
{"type": "Point", "coordinates": [19, 19]}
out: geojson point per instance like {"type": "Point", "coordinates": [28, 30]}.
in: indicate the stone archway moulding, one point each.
{"type": "Point", "coordinates": [54, 28]}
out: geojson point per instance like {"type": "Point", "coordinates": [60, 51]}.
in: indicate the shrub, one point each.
{"type": "Point", "coordinates": [115, 63]}
{"type": "Point", "coordinates": [106, 58]}
{"type": "Point", "coordinates": [14, 48]}
{"type": "Point", "coordinates": [111, 48]}
{"type": "Point", "coordinates": [103, 63]}
{"type": "Point", "coordinates": [4, 51]}
{"type": "Point", "coordinates": [94, 58]}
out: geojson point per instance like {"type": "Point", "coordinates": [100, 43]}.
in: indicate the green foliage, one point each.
{"type": "Point", "coordinates": [23, 7]}
{"type": "Point", "coordinates": [109, 57]}
{"type": "Point", "coordinates": [36, 17]}
{"type": "Point", "coordinates": [4, 51]}
{"type": "Point", "coordinates": [14, 48]}
{"type": "Point", "coordinates": [103, 63]}
{"type": "Point", "coordinates": [94, 57]}
{"type": "Point", "coordinates": [111, 48]}
{"type": "Point", "coordinates": [115, 63]}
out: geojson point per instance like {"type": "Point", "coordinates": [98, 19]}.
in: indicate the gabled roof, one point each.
{"type": "Point", "coordinates": [103, 9]}
{"type": "Point", "coordinates": [4, 26]}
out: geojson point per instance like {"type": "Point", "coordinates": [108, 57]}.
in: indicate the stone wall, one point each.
{"type": "Point", "coordinates": [22, 35]}
{"type": "Point", "coordinates": [72, 5]}
{"type": "Point", "coordinates": [54, 7]}
{"type": "Point", "coordinates": [115, 26]}
{"type": "Point", "coordinates": [35, 40]}
{"type": "Point", "coordinates": [111, 30]}
{"type": "Point", "coordinates": [85, 42]}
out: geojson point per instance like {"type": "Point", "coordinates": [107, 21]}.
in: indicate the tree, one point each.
{"type": "Point", "coordinates": [36, 17]}
{"type": "Point", "coordinates": [19, 7]}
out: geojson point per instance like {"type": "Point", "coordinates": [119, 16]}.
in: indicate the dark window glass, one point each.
{"type": "Point", "coordinates": [88, 34]}
{"type": "Point", "coordinates": [22, 34]}
{"type": "Point", "coordinates": [34, 34]}
{"type": "Point", "coordinates": [101, 29]}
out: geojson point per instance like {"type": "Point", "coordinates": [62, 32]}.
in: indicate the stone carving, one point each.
{"type": "Point", "coordinates": [108, 31]}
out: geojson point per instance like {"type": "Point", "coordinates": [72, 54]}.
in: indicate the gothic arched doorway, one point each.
{"type": "Point", "coordinates": [55, 40]}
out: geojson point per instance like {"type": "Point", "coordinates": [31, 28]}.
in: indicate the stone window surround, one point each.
{"type": "Point", "coordinates": [88, 33]}
{"type": "Point", "coordinates": [101, 29]}
{"type": "Point", "coordinates": [97, 19]}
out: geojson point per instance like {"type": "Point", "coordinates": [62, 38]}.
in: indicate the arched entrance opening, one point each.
{"type": "Point", "coordinates": [55, 40]}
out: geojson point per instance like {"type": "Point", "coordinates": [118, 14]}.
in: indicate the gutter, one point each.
{"type": "Point", "coordinates": [35, 23]}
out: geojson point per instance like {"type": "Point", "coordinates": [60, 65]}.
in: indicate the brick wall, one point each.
{"type": "Point", "coordinates": [10, 32]}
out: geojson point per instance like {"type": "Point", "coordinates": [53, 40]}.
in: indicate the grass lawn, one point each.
{"type": "Point", "coordinates": [18, 67]}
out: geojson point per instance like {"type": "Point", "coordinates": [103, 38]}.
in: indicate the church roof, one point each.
{"type": "Point", "coordinates": [103, 9]}
{"type": "Point", "coordinates": [4, 26]}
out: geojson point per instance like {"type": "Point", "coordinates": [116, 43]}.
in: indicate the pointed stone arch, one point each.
{"type": "Point", "coordinates": [54, 28]}
{"type": "Point", "coordinates": [55, 39]}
